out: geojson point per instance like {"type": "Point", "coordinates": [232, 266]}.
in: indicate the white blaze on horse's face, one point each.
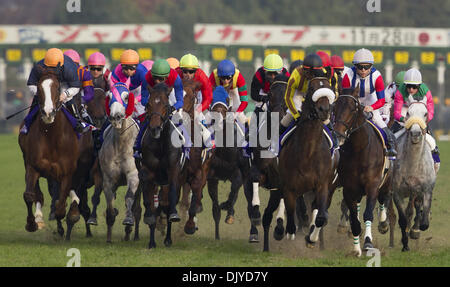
{"type": "Point", "coordinates": [117, 115]}
{"type": "Point", "coordinates": [49, 110]}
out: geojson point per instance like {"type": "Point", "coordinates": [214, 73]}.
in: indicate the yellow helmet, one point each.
{"type": "Point", "coordinates": [54, 56]}
{"type": "Point", "coordinates": [273, 63]}
{"type": "Point", "coordinates": [173, 62]}
{"type": "Point", "coordinates": [129, 57]}
{"type": "Point", "coordinates": [189, 61]}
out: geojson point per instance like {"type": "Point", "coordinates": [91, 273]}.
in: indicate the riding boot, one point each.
{"type": "Point", "coordinates": [30, 116]}
{"type": "Point", "coordinates": [390, 144]}
{"type": "Point", "coordinates": [85, 116]}
{"type": "Point", "coordinates": [285, 122]}
{"type": "Point", "coordinates": [80, 126]}
{"type": "Point", "coordinates": [137, 148]}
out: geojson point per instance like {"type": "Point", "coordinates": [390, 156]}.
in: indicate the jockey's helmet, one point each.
{"type": "Point", "coordinates": [337, 62]}
{"type": "Point", "coordinates": [160, 68]}
{"type": "Point", "coordinates": [413, 77]}
{"type": "Point", "coordinates": [225, 68]}
{"type": "Point", "coordinates": [73, 55]}
{"type": "Point", "coordinates": [273, 63]}
{"type": "Point", "coordinates": [189, 61]}
{"type": "Point", "coordinates": [312, 61]}
{"type": "Point", "coordinates": [53, 57]}
{"type": "Point", "coordinates": [326, 62]}
{"type": "Point", "coordinates": [363, 56]}
{"type": "Point", "coordinates": [173, 62]}
{"type": "Point", "coordinates": [148, 64]}
{"type": "Point", "coordinates": [399, 78]}
{"type": "Point", "coordinates": [129, 57]}
{"type": "Point", "coordinates": [96, 59]}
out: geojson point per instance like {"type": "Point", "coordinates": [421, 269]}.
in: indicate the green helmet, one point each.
{"type": "Point", "coordinates": [399, 78]}
{"type": "Point", "coordinates": [160, 68]}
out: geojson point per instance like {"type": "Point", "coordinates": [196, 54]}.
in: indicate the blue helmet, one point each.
{"type": "Point", "coordinates": [225, 68]}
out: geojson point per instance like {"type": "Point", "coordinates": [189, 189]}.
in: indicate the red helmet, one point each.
{"type": "Point", "coordinates": [325, 58]}
{"type": "Point", "coordinates": [337, 62]}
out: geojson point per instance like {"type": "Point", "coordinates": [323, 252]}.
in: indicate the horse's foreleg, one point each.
{"type": "Point", "coordinates": [29, 196]}
{"type": "Point", "coordinates": [39, 217]}
{"type": "Point", "coordinates": [213, 193]}
{"type": "Point", "coordinates": [402, 221]}
{"type": "Point", "coordinates": [274, 201]}
{"type": "Point", "coordinates": [137, 211]}
{"type": "Point", "coordinates": [133, 182]}
{"type": "Point", "coordinates": [289, 201]}
{"type": "Point", "coordinates": [54, 193]}
{"type": "Point", "coordinates": [371, 201]}
{"type": "Point", "coordinates": [319, 216]}
{"type": "Point", "coordinates": [354, 223]}
{"type": "Point", "coordinates": [95, 199]}
{"type": "Point", "coordinates": [414, 233]}
{"type": "Point", "coordinates": [392, 219]}
{"type": "Point", "coordinates": [248, 192]}
{"type": "Point", "coordinates": [343, 222]}
{"type": "Point", "coordinates": [84, 207]}
{"type": "Point", "coordinates": [111, 211]}
{"type": "Point", "coordinates": [60, 205]}
{"type": "Point", "coordinates": [236, 183]}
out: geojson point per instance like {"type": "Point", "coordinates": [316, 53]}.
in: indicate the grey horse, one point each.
{"type": "Point", "coordinates": [414, 175]}
{"type": "Point", "coordinates": [117, 162]}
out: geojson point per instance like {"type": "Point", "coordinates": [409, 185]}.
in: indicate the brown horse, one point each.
{"type": "Point", "coordinates": [50, 150]}
{"type": "Point", "coordinates": [361, 167]}
{"type": "Point", "coordinates": [305, 162]}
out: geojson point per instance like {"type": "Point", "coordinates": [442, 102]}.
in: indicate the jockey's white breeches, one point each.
{"type": "Point", "coordinates": [377, 119]}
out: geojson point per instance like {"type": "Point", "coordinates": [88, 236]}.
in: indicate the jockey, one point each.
{"type": "Point", "coordinates": [298, 85]}
{"type": "Point", "coordinates": [190, 70]}
{"type": "Point", "coordinates": [294, 65]}
{"type": "Point", "coordinates": [96, 64]}
{"type": "Point", "coordinates": [331, 74]}
{"type": "Point", "coordinates": [231, 79]}
{"type": "Point", "coordinates": [130, 67]}
{"type": "Point", "coordinates": [414, 90]}
{"type": "Point", "coordinates": [389, 94]}
{"type": "Point", "coordinates": [371, 85]}
{"type": "Point", "coordinates": [70, 83]}
{"type": "Point", "coordinates": [338, 66]}
{"type": "Point", "coordinates": [160, 72]}
{"type": "Point", "coordinates": [173, 62]}
{"type": "Point", "coordinates": [87, 91]}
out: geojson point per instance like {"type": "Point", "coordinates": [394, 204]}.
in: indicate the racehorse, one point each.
{"type": "Point", "coordinates": [196, 168]}
{"type": "Point", "coordinates": [228, 163]}
{"type": "Point", "coordinates": [305, 161]}
{"type": "Point", "coordinates": [160, 164]}
{"type": "Point", "coordinates": [361, 167]}
{"type": "Point", "coordinates": [414, 175]}
{"type": "Point", "coordinates": [116, 154]}
{"type": "Point", "coordinates": [50, 150]}
{"type": "Point", "coordinates": [264, 170]}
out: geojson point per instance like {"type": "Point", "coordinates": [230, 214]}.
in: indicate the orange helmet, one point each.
{"type": "Point", "coordinates": [173, 62]}
{"type": "Point", "coordinates": [129, 57]}
{"type": "Point", "coordinates": [53, 57]}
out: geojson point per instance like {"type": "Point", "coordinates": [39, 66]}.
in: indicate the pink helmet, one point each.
{"type": "Point", "coordinates": [148, 64]}
{"type": "Point", "coordinates": [96, 59]}
{"type": "Point", "coordinates": [73, 55]}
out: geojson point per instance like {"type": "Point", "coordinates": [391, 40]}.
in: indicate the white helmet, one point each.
{"type": "Point", "coordinates": [413, 77]}
{"type": "Point", "coordinates": [363, 56]}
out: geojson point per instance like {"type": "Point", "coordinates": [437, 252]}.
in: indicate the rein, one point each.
{"type": "Point", "coordinates": [350, 127]}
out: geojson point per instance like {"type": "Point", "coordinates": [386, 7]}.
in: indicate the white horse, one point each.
{"type": "Point", "coordinates": [414, 174]}
{"type": "Point", "coordinates": [116, 155]}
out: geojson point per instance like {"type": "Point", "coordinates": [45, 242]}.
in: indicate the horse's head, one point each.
{"type": "Point", "coordinates": [322, 97]}
{"type": "Point", "coordinates": [190, 87]}
{"type": "Point", "coordinates": [276, 93]}
{"type": "Point", "coordinates": [96, 107]}
{"type": "Point", "coordinates": [48, 95]}
{"type": "Point", "coordinates": [416, 121]}
{"type": "Point", "coordinates": [346, 110]}
{"type": "Point", "coordinates": [158, 108]}
{"type": "Point", "coordinates": [119, 93]}
{"type": "Point", "coordinates": [219, 106]}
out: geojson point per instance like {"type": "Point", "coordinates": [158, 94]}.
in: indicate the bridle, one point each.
{"type": "Point", "coordinates": [350, 128]}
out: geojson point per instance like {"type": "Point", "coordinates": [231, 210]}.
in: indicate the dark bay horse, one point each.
{"type": "Point", "coordinates": [50, 150]}
{"type": "Point", "coordinates": [305, 161]}
{"type": "Point", "coordinates": [196, 168]}
{"type": "Point", "coordinates": [228, 163]}
{"type": "Point", "coordinates": [361, 167]}
{"type": "Point", "coordinates": [160, 164]}
{"type": "Point", "coordinates": [264, 169]}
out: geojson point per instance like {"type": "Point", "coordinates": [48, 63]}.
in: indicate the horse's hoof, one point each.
{"type": "Point", "coordinates": [405, 248]}
{"type": "Point", "coordinates": [31, 227]}
{"type": "Point", "coordinates": [136, 238]}
{"type": "Point", "coordinates": [92, 221]}
{"type": "Point", "coordinates": [383, 227]}
{"type": "Point", "coordinates": [342, 229]}
{"type": "Point", "coordinates": [174, 217]}
{"type": "Point", "coordinates": [367, 244]}
{"type": "Point", "coordinates": [309, 243]}
{"type": "Point", "coordinates": [168, 242]}
{"type": "Point", "coordinates": [189, 230]}
{"type": "Point", "coordinates": [414, 234]}
{"type": "Point", "coordinates": [41, 225]}
{"type": "Point", "coordinates": [253, 238]}
{"type": "Point", "coordinates": [152, 245]}
{"type": "Point", "coordinates": [229, 219]}
{"type": "Point", "coordinates": [89, 235]}
{"type": "Point", "coordinates": [128, 221]}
